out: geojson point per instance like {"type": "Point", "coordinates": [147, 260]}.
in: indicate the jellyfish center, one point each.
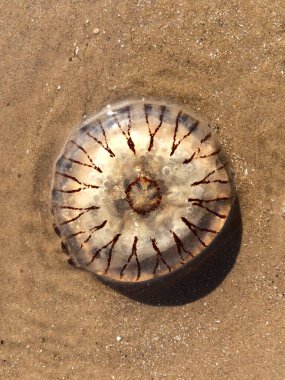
{"type": "Point", "coordinates": [143, 195]}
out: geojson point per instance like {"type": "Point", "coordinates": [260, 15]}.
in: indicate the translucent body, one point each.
{"type": "Point", "coordinates": [140, 190]}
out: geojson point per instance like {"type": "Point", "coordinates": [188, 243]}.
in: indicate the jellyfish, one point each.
{"type": "Point", "coordinates": [140, 190]}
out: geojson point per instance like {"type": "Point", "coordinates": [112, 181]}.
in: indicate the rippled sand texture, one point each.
{"type": "Point", "coordinates": [60, 63]}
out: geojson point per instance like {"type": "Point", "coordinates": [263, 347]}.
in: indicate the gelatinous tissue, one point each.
{"type": "Point", "coordinates": [141, 189]}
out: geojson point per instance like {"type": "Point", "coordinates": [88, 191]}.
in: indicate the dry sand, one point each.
{"type": "Point", "coordinates": [63, 60]}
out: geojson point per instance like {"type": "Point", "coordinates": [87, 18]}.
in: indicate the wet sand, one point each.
{"type": "Point", "coordinates": [226, 61]}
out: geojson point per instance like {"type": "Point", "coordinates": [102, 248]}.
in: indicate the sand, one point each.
{"type": "Point", "coordinates": [63, 61]}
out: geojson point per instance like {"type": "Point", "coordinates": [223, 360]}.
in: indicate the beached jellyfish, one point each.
{"type": "Point", "coordinates": [140, 190]}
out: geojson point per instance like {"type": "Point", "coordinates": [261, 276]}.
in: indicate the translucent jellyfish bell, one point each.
{"type": "Point", "coordinates": [140, 190]}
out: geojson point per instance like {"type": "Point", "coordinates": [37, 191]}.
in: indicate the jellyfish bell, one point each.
{"type": "Point", "coordinates": [140, 190]}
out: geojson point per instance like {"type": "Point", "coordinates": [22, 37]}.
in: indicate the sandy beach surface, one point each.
{"type": "Point", "coordinates": [60, 62]}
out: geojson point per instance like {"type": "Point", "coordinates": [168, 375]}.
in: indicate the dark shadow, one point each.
{"type": "Point", "coordinates": [195, 281]}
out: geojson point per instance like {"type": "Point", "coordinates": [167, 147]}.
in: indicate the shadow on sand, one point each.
{"type": "Point", "coordinates": [192, 282]}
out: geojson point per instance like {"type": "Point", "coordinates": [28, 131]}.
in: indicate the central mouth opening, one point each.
{"type": "Point", "coordinates": [143, 195]}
